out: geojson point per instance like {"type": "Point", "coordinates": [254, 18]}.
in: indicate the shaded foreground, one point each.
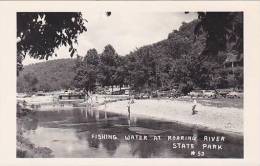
{"type": "Point", "coordinates": [24, 147]}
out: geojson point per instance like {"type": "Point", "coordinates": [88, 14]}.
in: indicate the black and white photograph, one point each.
{"type": "Point", "coordinates": [110, 84]}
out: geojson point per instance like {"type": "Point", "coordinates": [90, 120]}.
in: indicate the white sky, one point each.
{"type": "Point", "coordinates": [124, 31]}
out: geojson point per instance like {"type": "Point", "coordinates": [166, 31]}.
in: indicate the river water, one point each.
{"type": "Point", "coordinates": [89, 133]}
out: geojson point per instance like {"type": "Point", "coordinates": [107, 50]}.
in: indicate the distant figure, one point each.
{"type": "Point", "coordinates": [129, 122]}
{"type": "Point", "coordinates": [105, 102]}
{"type": "Point", "coordinates": [96, 99]}
{"type": "Point", "coordinates": [193, 107]}
{"type": "Point", "coordinates": [90, 99]}
{"type": "Point", "coordinates": [24, 103]}
{"type": "Point", "coordinates": [128, 108]}
{"type": "Point", "coordinates": [132, 100]}
{"type": "Point", "coordinates": [129, 112]}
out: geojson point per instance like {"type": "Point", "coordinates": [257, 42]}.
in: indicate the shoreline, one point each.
{"type": "Point", "coordinates": [226, 120]}
{"type": "Point", "coordinates": [166, 110]}
{"type": "Point", "coordinates": [24, 147]}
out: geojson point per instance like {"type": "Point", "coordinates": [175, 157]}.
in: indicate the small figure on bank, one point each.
{"type": "Point", "coordinates": [193, 107]}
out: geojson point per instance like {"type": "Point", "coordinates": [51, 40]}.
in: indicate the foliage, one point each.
{"type": "Point", "coordinates": [40, 33]}
{"type": "Point", "coordinates": [92, 57]}
{"type": "Point", "coordinates": [108, 64]}
{"type": "Point", "coordinates": [31, 81]}
{"type": "Point", "coordinates": [86, 71]}
{"type": "Point", "coordinates": [86, 77]}
{"type": "Point", "coordinates": [185, 88]}
{"type": "Point", "coordinates": [224, 31]}
{"type": "Point", "coordinates": [51, 75]}
{"type": "Point", "coordinates": [178, 61]}
{"type": "Point", "coordinates": [105, 69]}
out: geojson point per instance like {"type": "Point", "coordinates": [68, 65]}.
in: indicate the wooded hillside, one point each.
{"type": "Point", "coordinates": [50, 75]}
{"type": "Point", "coordinates": [176, 60]}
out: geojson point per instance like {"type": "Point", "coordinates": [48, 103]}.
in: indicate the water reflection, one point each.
{"type": "Point", "coordinates": [146, 149]}
{"type": "Point", "coordinates": [93, 143]}
{"type": "Point", "coordinates": [110, 145]}
{"type": "Point", "coordinates": [77, 126]}
{"type": "Point", "coordinates": [30, 123]}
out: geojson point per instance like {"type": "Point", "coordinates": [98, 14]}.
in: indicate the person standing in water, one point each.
{"type": "Point", "coordinates": [194, 106]}
{"type": "Point", "coordinates": [131, 101]}
{"type": "Point", "coordinates": [105, 102]}
{"type": "Point", "coordinates": [128, 108]}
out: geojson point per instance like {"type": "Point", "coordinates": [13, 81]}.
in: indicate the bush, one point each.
{"type": "Point", "coordinates": [185, 88]}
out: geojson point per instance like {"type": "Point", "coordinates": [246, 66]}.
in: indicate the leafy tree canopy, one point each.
{"type": "Point", "coordinates": [224, 31]}
{"type": "Point", "coordinates": [92, 57]}
{"type": "Point", "coordinates": [40, 33]}
{"type": "Point", "coordinates": [167, 64]}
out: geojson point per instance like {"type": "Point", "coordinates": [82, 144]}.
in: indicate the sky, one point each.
{"type": "Point", "coordinates": [123, 30]}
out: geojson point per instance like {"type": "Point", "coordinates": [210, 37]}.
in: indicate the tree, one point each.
{"type": "Point", "coordinates": [86, 70]}
{"type": "Point", "coordinates": [86, 78]}
{"type": "Point", "coordinates": [81, 80]}
{"type": "Point", "coordinates": [107, 67]}
{"type": "Point", "coordinates": [40, 33]}
{"type": "Point", "coordinates": [108, 56]}
{"type": "Point", "coordinates": [224, 31]}
{"type": "Point", "coordinates": [31, 81]}
{"type": "Point", "coordinates": [121, 73]}
{"type": "Point", "coordinates": [92, 57]}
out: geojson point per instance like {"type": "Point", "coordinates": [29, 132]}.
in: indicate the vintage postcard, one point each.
{"type": "Point", "coordinates": [181, 96]}
{"type": "Point", "coordinates": [131, 81]}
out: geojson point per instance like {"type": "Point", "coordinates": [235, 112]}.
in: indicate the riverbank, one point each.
{"type": "Point", "coordinates": [24, 147]}
{"type": "Point", "coordinates": [223, 119]}
{"type": "Point", "coordinates": [224, 115]}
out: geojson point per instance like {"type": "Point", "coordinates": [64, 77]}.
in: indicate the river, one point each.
{"type": "Point", "coordinates": [89, 133]}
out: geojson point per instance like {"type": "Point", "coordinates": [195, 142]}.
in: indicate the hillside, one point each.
{"type": "Point", "coordinates": [50, 75]}
{"type": "Point", "coordinates": [176, 60]}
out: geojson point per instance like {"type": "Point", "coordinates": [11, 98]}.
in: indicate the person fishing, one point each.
{"type": "Point", "coordinates": [105, 102]}
{"type": "Point", "coordinates": [131, 101]}
{"type": "Point", "coordinates": [128, 108]}
{"type": "Point", "coordinates": [129, 111]}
